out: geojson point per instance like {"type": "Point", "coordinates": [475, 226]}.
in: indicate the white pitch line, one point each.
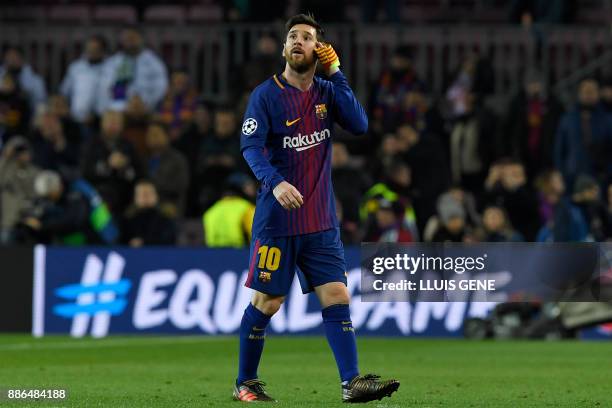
{"type": "Point", "coordinates": [77, 344]}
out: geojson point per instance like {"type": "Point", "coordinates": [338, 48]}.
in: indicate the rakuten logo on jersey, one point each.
{"type": "Point", "coordinates": [303, 142]}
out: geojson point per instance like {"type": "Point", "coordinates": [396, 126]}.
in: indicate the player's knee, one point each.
{"type": "Point", "coordinates": [267, 304]}
{"type": "Point", "coordinates": [272, 305]}
{"type": "Point", "coordinates": [335, 295]}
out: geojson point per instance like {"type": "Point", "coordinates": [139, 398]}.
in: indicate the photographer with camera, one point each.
{"type": "Point", "coordinates": [66, 214]}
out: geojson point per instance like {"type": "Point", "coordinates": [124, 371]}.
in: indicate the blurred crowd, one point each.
{"type": "Point", "coordinates": [127, 152]}
{"type": "Point", "coordinates": [524, 12]}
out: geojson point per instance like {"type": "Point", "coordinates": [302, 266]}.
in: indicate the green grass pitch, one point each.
{"type": "Point", "coordinates": [300, 371]}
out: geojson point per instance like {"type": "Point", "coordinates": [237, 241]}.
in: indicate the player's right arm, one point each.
{"type": "Point", "coordinates": [255, 129]}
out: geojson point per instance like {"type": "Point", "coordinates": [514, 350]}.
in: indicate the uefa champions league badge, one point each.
{"type": "Point", "coordinates": [321, 111]}
{"type": "Point", "coordinates": [249, 126]}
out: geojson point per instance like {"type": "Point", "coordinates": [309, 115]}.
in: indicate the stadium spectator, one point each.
{"type": "Point", "coordinates": [218, 156]}
{"type": "Point", "coordinates": [528, 12]}
{"type": "Point", "coordinates": [425, 155]}
{"type": "Point", "coordinates": [563, 220]}
{"type": "Point", "coordinates": [550, 187]}
{"type": "Point", "coordinates": [178, 106]}
{"type": "Point", "coordinates": [473, 144]}
{"type": "Point", "coordinates": [349, 181]}
{"type": "Point", "coordinates": [137, 120]}
{"type": "Point", "coordinates": [110, 163]}
{"type": "Point", "coordinates": [474, 76]}
{"type": "Point", "coordinates": [584, 138]}
{"type": "Point", "coordinates": [200, 129]}
{"type": "Point", "coordinates": [67, 214]}
{"type": "Point", "coordinates": [14, 109]}
{"type": "Point", "coordinates": [566, 225]}
{"type": "Point", "coordinates": [189, 144]}
{"type": "Point", "coordinates": [506, 186]}
{"type": "Point", "coordinates": [250, 74]}
{"type": "Point", "coordinates": [54, 149]}
{"type": "Point", "coordinates": [452, 226]}
{"type": "Point", "coordinates": [17, 174]}
{"type": "Point", "coordinates": [350, 231]}
{"type": "Point", "coordinates": [229, 221]}
{"type": "Point", "coordinates": [606, 94]}
{"type": "Point", "coordinates": [395, 186]}
{"type": "Point", "coordinates": [466, 200]}
{"type": "Point", "coordinates": [389, 223]}
{"type": "Point", "coordinates": [80, 85]}
{"type": "Point", "coordinates": [387, 153]}
{"type": "Point", "coordinates": [58, 105]}
{"type": "Point", "coordinates": [133, 70]}
{"type": "Point", "coordinates": [531, 123]}
{"type": "Point", "coordinates": [418, 112]}
{"type": "Point", "coordinates": [586, 198]}
{"type": "Point", "coordinates": [390, 90]}
{"type": "Point", "coordinates": [496, 226]}
{"type": "Point", "coordinates": [369, 10]}
{"type": "Point", "coordinates": [144, 222]}
{"type": "Point", "coordinates": [29, 82]}
{"type": "Point", "coordinates": [168, 170]}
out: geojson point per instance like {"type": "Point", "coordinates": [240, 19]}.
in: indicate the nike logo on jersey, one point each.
{"type": "Point", "coordinates": [299, 149]}
{"type": "Point", "coordinates": [291, 122]}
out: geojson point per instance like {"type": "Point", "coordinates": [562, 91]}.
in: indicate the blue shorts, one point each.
{"type": "Point", "coordinates": [318, 258]}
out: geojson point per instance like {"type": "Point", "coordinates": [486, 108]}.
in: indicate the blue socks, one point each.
{"type": "Point", "coordinates": [341, 338]}
{"type": "Point", "coordinates": [338, 329]}
{"type": "Point", "coordinates": [252, 335]}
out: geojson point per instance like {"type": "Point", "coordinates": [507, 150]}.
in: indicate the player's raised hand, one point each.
{"type": "Point", "coordinates": [288, 196]}
{"type": "Point", "coordinates": [328, 57]}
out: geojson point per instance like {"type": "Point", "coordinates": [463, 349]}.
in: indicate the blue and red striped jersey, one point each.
{"type": "Point", "coordinates": [286, 135]}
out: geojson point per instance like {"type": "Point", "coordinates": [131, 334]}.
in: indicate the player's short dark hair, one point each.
{"type": "Point", "coordinates": [307, 19]}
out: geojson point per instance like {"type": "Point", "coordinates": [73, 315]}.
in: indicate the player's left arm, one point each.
{"type": "Point", "coordinates": [348, 111]}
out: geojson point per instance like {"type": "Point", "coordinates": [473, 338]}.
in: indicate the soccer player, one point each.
{"type": "Point", "coordinates": [286, 140]}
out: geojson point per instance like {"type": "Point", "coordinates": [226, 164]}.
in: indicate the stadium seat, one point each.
{"type": "Point", "coordinates": [165, 14]}
{"type": "Point", "coordinates": [23, 13]}
{"type": "Point", "coordinates": [115, 14]}
{"type": "Point", "coordinates": [76, 13]}
{"type": "Point", "coordinates": [201, 13]}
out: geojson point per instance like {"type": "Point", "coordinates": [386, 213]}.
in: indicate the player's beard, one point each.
{"type": "Point", "coordinates": [303, 65]}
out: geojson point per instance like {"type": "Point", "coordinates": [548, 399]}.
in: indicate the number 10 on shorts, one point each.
{"type": "Point", "coordinates": [269, 258]}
